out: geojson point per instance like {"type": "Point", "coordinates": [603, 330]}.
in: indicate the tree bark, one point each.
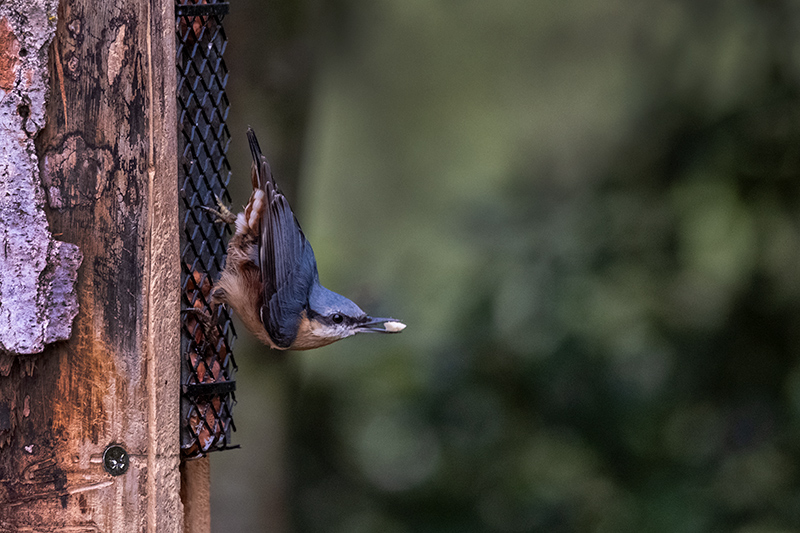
{"type": "Point", "coordinates": [108, 159]}
{"type": "Point", "coordinates": [37, 273]}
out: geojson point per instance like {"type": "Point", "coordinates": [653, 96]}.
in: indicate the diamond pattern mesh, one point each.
{"type": "Point", "coordinates": [208, 368]}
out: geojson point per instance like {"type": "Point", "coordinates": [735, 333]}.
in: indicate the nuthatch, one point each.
{"type": "Point", "coordinates": [270, 278]}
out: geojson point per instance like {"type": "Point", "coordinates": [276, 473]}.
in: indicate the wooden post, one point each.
{"type": "Point", "coordinates": [196, 495]}
{"type": "Point", "coordinates": [108, 162]}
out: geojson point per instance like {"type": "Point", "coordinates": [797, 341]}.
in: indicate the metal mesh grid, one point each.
{"type": "Point", "coordinates": [208, 368]}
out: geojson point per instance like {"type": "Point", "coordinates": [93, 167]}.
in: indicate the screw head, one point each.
{"type": "Point", "coordinates": [116, 460]}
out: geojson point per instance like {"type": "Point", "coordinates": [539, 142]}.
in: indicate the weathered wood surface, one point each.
{"type": "Point", "coordinates": [196, 496]}
{"type": "Point", "coordinates": [108, 162]}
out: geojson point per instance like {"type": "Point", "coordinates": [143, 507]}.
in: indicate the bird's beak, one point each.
{"type": "Point", "coordinates": [381, 325]}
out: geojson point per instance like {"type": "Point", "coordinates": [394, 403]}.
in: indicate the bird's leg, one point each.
{"type": "Point", "coordinates": [198, 317]}
{"type": "Point", "coordinates": [200, 322]}
{"type": "Point", "coordinates": [222, 213]}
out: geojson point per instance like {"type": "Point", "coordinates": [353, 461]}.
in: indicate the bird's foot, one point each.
{"type": "Point", "coordinates": [222, 214]}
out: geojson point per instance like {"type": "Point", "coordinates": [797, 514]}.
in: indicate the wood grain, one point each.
{"type": "Point", "coordinates": [108, 157]}
{"type": "Point", "coordinates": [196, 496]}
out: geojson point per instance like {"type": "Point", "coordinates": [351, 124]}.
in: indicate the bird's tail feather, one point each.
{"type": "Point", "coordinates": [261, 172]}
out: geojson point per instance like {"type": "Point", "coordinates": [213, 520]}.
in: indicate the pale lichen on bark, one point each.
{"type": "Point", "coordinates": [38, 301]}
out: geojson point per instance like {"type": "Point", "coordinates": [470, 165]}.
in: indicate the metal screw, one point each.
{"type": "Point", "coordinates": [116, 460]}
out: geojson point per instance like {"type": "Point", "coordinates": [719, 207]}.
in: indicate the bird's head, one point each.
{"type": "Point", "coordinates": [331, 317]}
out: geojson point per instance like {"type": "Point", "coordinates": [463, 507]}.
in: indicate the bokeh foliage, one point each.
{"type": "Point", "coordinates": [588, 214]}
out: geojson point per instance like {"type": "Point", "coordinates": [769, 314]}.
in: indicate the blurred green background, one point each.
{"type": "Point", "coordinates": [588, 214]}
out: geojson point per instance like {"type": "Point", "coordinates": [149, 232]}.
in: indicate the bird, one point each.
{"type": "Point", "coordinates": [270, 278]}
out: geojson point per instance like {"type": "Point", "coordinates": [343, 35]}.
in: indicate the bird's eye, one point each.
{"type": "Point", "coordinates": [337, 318]}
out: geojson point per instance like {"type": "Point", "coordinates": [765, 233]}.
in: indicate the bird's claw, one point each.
{"type": "Point", "coordinates": [222, 214]}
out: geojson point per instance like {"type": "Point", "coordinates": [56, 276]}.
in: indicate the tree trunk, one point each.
{"type": "Point", "coordinates": [108, 161]}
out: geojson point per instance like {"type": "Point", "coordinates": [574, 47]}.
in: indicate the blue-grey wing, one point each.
{"type": "Point", "coordinates": [288, 268]}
